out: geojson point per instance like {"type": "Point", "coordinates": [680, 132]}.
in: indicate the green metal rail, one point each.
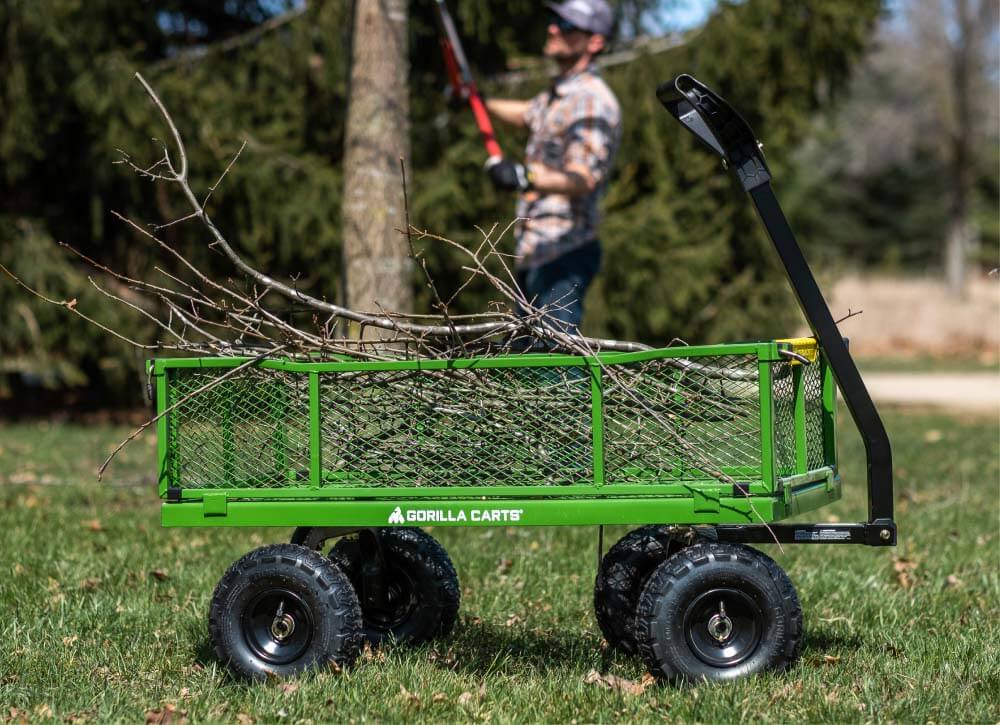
{"type": "Point", "coordinates": [713, 434]}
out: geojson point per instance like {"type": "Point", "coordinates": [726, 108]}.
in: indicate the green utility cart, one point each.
{"type": "Point", "coordinates": [703, 448]}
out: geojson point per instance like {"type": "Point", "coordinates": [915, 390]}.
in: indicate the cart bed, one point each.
{"type": "Point", "coordinates": [713, 434]}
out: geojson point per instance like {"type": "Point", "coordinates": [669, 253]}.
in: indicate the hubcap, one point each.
{"type": "Point", "coordinates": [400, 602]}
{"type": "Point", "coordinates": [720, 626]}
{"type": "Point", "coordinates": [723, 626]}
{"type": "Point", "coordinates": [278, 626]}
{"type": "Point", "coordinates": [283, 625]}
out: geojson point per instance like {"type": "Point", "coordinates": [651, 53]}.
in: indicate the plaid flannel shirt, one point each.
{"type": "Point", "coordinates": [576, 121]}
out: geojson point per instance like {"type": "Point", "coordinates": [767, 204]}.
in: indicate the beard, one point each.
{"type": "Point", "coordinates": [562, 55]}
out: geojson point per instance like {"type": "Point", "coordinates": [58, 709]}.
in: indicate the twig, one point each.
{"type": "Point", "coordinates": [848, 316]}
{"type": "Point", "coordinates": [204, 388]}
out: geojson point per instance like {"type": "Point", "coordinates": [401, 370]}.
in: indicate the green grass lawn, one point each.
{"type": "Point", "coordinates": [104, 613]}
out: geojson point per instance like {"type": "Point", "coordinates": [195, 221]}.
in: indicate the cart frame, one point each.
{"type": "Point", "coordinates": [766, 487]}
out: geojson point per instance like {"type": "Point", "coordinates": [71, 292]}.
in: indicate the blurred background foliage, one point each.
{"type": "Point", "coordinates": [684, 254]}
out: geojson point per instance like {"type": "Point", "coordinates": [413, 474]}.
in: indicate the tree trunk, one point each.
{"type": "Point", "coordinates": [957, 244]}
{"type": "Point", "coordinates": [376, 264]}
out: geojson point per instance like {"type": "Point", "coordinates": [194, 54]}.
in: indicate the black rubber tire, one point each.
{"type": "Point", "coordinates": [620, 578]}
{"type": "Point", "coordinates": [284, 580]}
{"type": "Point", "coordinates": [421, 581]}
{"type": "Point", "coordinates": [674, 632]}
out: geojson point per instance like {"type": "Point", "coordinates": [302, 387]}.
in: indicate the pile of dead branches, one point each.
{"type": "Point", "coordinates": [196, 313]}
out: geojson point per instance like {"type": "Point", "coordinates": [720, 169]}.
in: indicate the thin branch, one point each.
{"type": "Point", "coordinates": [71, 306]}
{"type": "Point", "coordinates": [848, 316]}
{"type": "Point", "coordinates": [204, 388]}
{"type": "Point", "coordinates": [224, 46]}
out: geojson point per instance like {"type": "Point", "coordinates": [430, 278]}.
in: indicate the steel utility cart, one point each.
{"type": "Point", "coordinates": [703, 447]}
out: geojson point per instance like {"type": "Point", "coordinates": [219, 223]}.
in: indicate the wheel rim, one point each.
{"type": "Point", "coordinates": [400, 602]}
{"type": "Point", "coordinates": [278, 626]}
{"type": "Point", "coordinates": [723, 626]}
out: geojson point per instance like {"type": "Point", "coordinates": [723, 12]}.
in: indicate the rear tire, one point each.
{"type": "Point", "coordinates": [621, 576]}
{"type": "Point", "coordinates": [421, 586]}
{"type": "Point", "coordinates": [281, 610]}
{"type": "Point", "coordinates": [718, 612]}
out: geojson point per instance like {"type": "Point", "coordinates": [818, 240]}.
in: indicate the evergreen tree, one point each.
{"type": "Point", "coordinates": [685, 256]}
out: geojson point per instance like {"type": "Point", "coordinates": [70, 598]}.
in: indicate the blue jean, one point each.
{"type": "Point", "coordinates": [562, 284]}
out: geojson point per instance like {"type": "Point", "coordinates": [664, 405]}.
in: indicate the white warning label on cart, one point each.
{"type": "Point", "coordinates": [443, 516]}
{"type": "Point", "coordinates": [822, 535]}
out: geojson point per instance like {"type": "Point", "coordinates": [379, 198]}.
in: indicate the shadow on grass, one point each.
{"type": "Point", "coordinates": [204, 653]}
{"type": "Point", "coordinates": [819, 641]}
{"type": "Point", "coordinates": [481, 649]}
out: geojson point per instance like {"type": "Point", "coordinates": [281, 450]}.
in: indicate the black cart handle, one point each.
{"type": "Point", "coordinates": [719, 127]}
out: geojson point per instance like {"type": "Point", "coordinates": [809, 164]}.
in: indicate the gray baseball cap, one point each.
{"type": "Point", "coordinates": [594, 16]}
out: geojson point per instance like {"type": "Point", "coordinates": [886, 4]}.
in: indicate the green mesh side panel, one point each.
{"type": "Point", "coordinates": [666, 421]}
{"type": "Point", "coordinates": [250, 431]}
{"type": "Point", "coordinates": [783, 395]}
{"type": "Point", "coordinates": [783, 388]}
{"type": "Point", "coordinates": [812, 383]}
{"type": "Point", "coordinates": [510, 426]}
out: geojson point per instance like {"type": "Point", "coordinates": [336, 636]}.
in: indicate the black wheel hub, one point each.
{"type": "Point", "coordinates": [397, 605]}
{"type": "Point", "coordinates": [278, 626]}
{"type": "Point", "coordinates": [723, 626]}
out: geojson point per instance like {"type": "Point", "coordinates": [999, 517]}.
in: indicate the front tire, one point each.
{"type": "Point", "coordinates": [281, 610]}
{"type": "Point", "coordinates": [718, 612]}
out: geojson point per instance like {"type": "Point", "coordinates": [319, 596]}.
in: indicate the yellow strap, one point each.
{"type": "Point", "coordinates": [807, 347]}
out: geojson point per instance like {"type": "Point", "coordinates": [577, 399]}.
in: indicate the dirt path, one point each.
{"type": "Point", "coordinates": [966, 391]}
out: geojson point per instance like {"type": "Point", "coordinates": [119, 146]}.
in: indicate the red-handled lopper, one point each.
{"type": "Point", "coordinates": [462, 83]}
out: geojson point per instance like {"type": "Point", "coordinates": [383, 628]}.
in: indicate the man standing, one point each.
{"type": "Point", "coordinates": [574, 130]}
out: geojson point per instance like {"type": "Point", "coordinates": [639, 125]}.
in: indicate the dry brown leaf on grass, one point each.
{"type": "Point", "coordinates": [289, 688]}
{"type": "Point", "coordinates": [466, 698]}
{"type": "Point", "coordinates": [613, 682]}
{"type": "Point", "coordinates": [438, 697]}
{"type": "Point", "coordinates": [160, 575]}
{"type": "Point", "coordinates": [244, 719]}
{"type": "Point", "coordinates": [166, 715]}
{"type": "Point", "coordinates": [410, 698]}
{"type": "Point", "coordinates": [788, 690]}
{"type": "Point", "coordinates": [904, 569]}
